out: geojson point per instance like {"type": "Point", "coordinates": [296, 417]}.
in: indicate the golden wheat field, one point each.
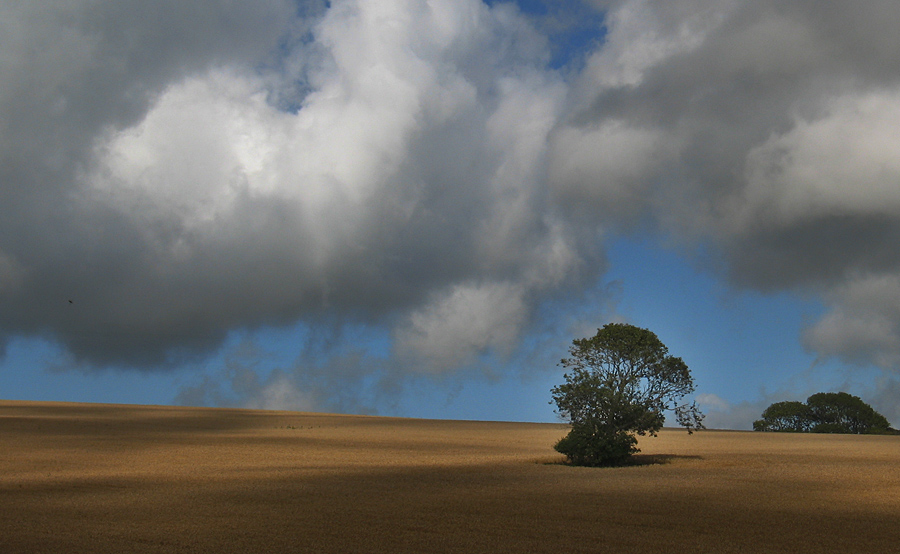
{"type": "Point", "coordinates": [101, 478]}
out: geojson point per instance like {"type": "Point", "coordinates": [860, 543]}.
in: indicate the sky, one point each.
{"type": "Point", "coordinates": [412, 207]}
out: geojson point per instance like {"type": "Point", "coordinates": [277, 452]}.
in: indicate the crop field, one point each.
{"type": "Point", "coordinates": [101, 478]}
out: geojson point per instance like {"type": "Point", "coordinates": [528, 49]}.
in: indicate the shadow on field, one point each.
{"type": "Point", "coordinates": [658, 459]}
{"type": "Point", "coordinates": [637, 460]}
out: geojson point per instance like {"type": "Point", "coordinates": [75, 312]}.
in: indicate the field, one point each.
{"type": "Point", "coordinates": [99, 478]}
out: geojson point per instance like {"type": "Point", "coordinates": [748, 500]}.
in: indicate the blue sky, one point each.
{"type": "Point", "coordinates": [411, 208]}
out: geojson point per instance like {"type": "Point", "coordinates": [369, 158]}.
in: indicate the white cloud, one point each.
{"type": "Point", "coordinates": [844, 162]}
{"type": "Point", "coordinates": [465, 321]}
{"type": "Point", "coordinates": [712, 402]}
{"type": "Point", "coordinates": [281, 394]}
{"type": "Point", "coordinates": [863, 325]}
{"type": "Point", "coordinates": [644, 33]}
{"type": "Point", "coordinates": [205, 142]}
{"type": "Point", "coordinates": [610, 166]}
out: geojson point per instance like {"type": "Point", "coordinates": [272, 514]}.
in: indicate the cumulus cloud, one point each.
{"type": "Point", "coordinates": [765, 130]}
{"type": "Point", "coordinates": [820, 167]}
{"type": "Point", "coordinates": [366, 159]}
{"type": "Point", "coordinates": [863, 326]}
{"type": "Point", "coordinates": [463, 322]}
{"type": "Point", "coordinates": [185, 170]}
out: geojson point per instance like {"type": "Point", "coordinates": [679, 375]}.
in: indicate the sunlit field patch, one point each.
{"type": "Point", "coordinates": [97, 478]}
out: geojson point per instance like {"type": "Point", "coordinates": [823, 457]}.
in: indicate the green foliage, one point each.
{"type": "Point", "coordinates": [785, 416]}
{"type": "Point", "coordinates": [620, 382]}
{"type": "Point", "coordinates": [839, 410]}
{"type": "Point", "coordinates": [825, 412]}
{"type": "Point", "coordinates": [584, 446]}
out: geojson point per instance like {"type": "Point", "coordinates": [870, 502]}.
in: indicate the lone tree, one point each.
{"type": "Point", "coordinates": [620, 383]}
{"type": "Point", "coordinates": [825, 412]}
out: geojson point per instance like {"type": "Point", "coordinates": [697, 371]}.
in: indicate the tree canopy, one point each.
{"type": "Point", "coordinates": [785, 416]}
{"type": "Point", "coordinates": [825, 412]}
{"type": "Point", "coordinates": [620, 383]}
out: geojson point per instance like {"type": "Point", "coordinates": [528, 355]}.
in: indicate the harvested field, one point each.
{"type": "Point", "coordinates": [99, 478]}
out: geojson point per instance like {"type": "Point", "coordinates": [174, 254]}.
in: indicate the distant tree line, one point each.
{"type": "Point", "coordinates": [825, 412]}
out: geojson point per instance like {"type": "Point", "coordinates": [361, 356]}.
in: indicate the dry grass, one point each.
{"type": "Point", "coordinates": [93, 478]}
